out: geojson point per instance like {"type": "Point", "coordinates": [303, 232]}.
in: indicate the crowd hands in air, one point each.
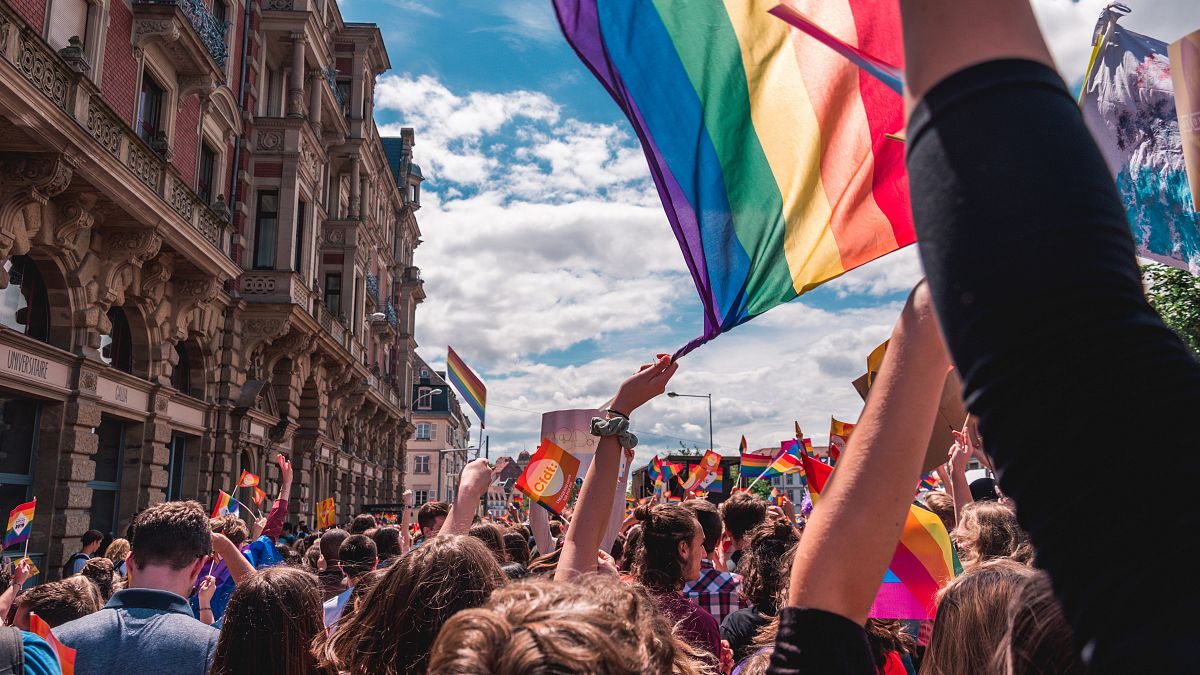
{"type": "Point", "coordinates": [687, 587]}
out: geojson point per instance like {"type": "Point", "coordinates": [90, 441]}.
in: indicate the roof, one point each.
{"type": "Point", "coordinates": [393, 149]}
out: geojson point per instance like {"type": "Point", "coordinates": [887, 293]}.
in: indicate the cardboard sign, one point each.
{"type": "Point", "coordinates": [1185, 73]}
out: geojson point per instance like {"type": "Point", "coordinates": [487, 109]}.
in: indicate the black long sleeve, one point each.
{"type": "Point", "coordinates": [816, 641]}
{"type": "Point", "coordinates": [1086, 401]}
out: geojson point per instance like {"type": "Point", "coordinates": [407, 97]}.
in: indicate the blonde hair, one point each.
{"type": "Point", "coordinates": [595, 625]}
{"type": "Point", "coordinates": [972, 618]}
{"type": "Point", "coordinates": [117, 550]}
{"type": "Point", "coordinates": [988, 530]}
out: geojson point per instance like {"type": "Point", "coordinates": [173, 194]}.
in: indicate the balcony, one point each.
{"type": "Point", "coordinates": [275, 287]}
{"type": "Point", "coordinates": [193, 38]}
{"type": "Point", "coordinates": [372, 284]}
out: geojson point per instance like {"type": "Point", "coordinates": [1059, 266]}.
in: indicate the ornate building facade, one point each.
{"type": "Point", "coordinates": [207, 257]}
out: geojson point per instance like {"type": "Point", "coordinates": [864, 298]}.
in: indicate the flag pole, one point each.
{"type": "Point", "coordinates": [755, 481]}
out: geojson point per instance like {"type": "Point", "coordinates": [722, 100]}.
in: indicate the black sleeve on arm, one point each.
{"type": "Point", "coordinates": [816, 641]}
{"type": "Point", "coordinates": [1029, 257]}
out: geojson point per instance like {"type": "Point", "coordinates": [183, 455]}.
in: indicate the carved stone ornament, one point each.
{"type": "Point", "coordinates": [145, 30]}
{"type": "Point", "coordinates": [335, 235]}
{"type": "Point", "coordinates": [27, 182]}
{"type": "Point", "coordinates": [269, 140]}
{"type": "Point", "coordinates": [87, 381]}
{"type": "Point", "coordinates": [75, 217]}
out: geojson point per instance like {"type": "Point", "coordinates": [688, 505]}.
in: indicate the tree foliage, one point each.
{"type": "Point", "coordinates": [762, 489]}
{"type": "Point", "coordinates": [1175, 295]}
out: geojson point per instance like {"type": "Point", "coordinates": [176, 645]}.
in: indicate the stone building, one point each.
{"type": "Point", "coordinates": [437, 452]}
{"type": "Point", "coordinates": [207, 257]}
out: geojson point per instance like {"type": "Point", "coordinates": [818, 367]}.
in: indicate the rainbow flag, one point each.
{"type": "Point", "coordinates": [773, 497]}
{"type": "Point", "coordinates": [929, 482]}
{"type": "Point", "coordinates": [467, 384]}
{"type": "Point", "coordinates": [247, 479]}
{"type": "Point", "coordinates": [786, 461]}
{"type": "Point", "coordinates": [225, 505]}
{"type": "Point", "coordinates": [839, 436]}
{"type": "Point", "coordinates": [64, 654]}
{"type": "Point", "coordinates": [924, 561]}
{"type": "Point", "coordinates": [755, 465]}
{"type": "Point", "coordinates": [654, 469]}
{"type": "Point", "coordinates": [20, 521]}
{"type": "Point", "coordinates": [768, 149]}
{"type": "Point", "coordinates": [671, 470]}
{"type": "Point", "coordinates": [709, 463]}
{"type": "Point", "coordinates": [714, 481]}
{"type": "Point", "coordinates": [549, 477]}
{"type": "Point", "coordinates": [818, 475]}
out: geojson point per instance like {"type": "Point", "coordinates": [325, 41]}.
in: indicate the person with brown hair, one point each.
{"type": "Point", "coordinates": [100, 571]}
{"type": "Point", "coordinates": [387, 544]}
{"type": "Point", "coordinates": [972, 618]}
{"type": "Point", "coordinates": [395, 623]}
{"type": "Point", "coordinates": [1038, 640]}
{"type": "Point", "coordinates": [715, 590]}
{"type": "Point", "coordinates": [764, 583]}
{"type": "Point", "coordinates": [741, 513]}
{"type": "Point", "coordinates": [670, 555]}
{"type": "Point", "coordinates": [596, 624]}
{"type": "Point", "coordinates": [150, 624]}
{"type": "Point", "coordinates": [357, 557]}
{"type": "Point", "coordinates": [270, 624]}
{"type": "Point", "coordinates": [430, 518]}
{"type": "Point", "coordinates": [329, 574]}
{"type": "Point", "coordinates": [516, 546]}
{"type": "Point", "coordinates": [492, 536]}
{"type": "Point", "coordinates": [57, 602]}
{"type": "Point", "coordinates": [988, 530]}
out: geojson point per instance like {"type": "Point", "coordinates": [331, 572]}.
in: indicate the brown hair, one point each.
{"type": "Point", "coordinates": [594, 625]}
{"type": "Point", "coordinates": [331, 542]}
{"type": "Point", "coordinates": [429, 512]}
{"type": "Point", "coordinates": [232, 527]}
{"type": "Point", "coordinates": [272, 618]}
{"type": "Point", "coordinates": [117, 551]}
{"type": "Point", "coordinates": [989, 530]}
{"type": "Point", "coordinates": [546, 564]}
{"type": "Point", "coordinates": [633, 543]}
{"type": "Point", "coordinates": [60, 601]}
{"type": "Point", "coordinates": [656, 565]}
{"type": "Point", "coordinates": [387, 542]}
{"type": "Point", "coordinates": [357, 555]}
{"type": "Point", "coordinates": [175, 534]}
{"type": "Point", "coordinates": [1038, 640]}
{"type": "Point", "coordinates": [394, 625]}
{"type": "Point", "coordinates": [710, 521]}
{"type": "Point", "coordinates": [492, 537]}
{"type": "Point", "coordinates": [972, 618]}
{"type": "Point", "coordinates": [767, 564]}
{"type": "Point", "coordinates": [516, 545]}
{"type": "Point", "coordinates": [942, 506]}
{"type": "Point", "coordinates": [361, 523]}
{"type": "Point", "coordinates": [741, 512]}
{"type": "Point", "coordinates": [101, 572]}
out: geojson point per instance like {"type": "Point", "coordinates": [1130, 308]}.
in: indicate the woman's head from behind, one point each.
{"type": "Point", "coordinates": [594, 625]}
{"type": "Point", "coordinates": [1039, 640]}
{"type": "Point", "coordinates": [395, 623]}
{"type": "Point", "coordinates": [270, 623]}
{"type": "Point", "coordinates": [989, 530]}
{"type": "Point", "coordinates": [672, 547]}
{"type": "Point", "coordinates": [972, 618]}
{"type": "Point", "coordinates": [117, 550]}
{"type": "Point", "coordinates": [491, 535]}
{"type": "Point", "coordinates": [767, 563]}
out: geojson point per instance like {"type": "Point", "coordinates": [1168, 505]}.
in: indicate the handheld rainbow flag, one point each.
{"type": "Point", "coordinates": [799, 434]}
{"type": "Point", "coordinates": [742, 447]}
{"type": "Point", "coordinates": [773, 497]}
{"type": "Point", "coordinates": [64, 654]}
{"type": "Point", "coordinates": [20, 520]}
{"type": "Point", "coordinates": [709, 463]}
{"type": "Point", "coordinates": [714, 481]}
{"type": "Point", "coordinates": [673, 470]}
{"type": "Point", "coordinates": [839, 436]}
{"type": "Point", "coordinates": [247, 479]}
{"type": "Point", "coordinates": [768, 149]}
{"type": "Point", "coordinates": [549, 477]}
{"type": "Point", "coordinates": [654, 469]}
{"type": "Point", "coordinates": [924, 561]}
{"type": "Point", "coordinates": [755, 465]}
{"type": "Point", "coordinates": [225, 505]}
{"type": "Point", "coordinates": [259, 496]}
{"type": "Point", "coordinates": [929, 482]}
{"type": "Point", "coordinates": [326, 513]}
{"type": "Point", "coordinates": [818, 475]}
{"type": "Point", "coordinates": [467, 384]}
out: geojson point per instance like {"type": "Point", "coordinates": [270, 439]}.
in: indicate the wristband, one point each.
{"type": "Point", "coordinates": [206, 609]}
{"type": "Point", "coordinates": [616, 412]}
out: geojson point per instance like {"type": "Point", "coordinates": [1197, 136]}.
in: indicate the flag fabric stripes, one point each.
{"type": "Point", "coordinates": [754, 465]}
{"type": "Point", "coordinates": [225, 505]}
{"type": "Point", "coordinates": [839, 436]}
{"type": "Point", "coordinates": [818, 475]}
{"type": "Point", "coordinates": [654, 469]}
{"type": "Point", "coordinates": [20, 523]}
{"type": "Point", "coordinates": [768, 149]}
{"type": "Point", "coordinates": [467, 384]}
{"type": "Point", "coordinates": [714, 481]}
{"type": "Point", "coordinates": [923, 563]}
{"type": "Point", "coordinates": [64, 654]}
{"type": "Point", "coordinates": [709, 463]}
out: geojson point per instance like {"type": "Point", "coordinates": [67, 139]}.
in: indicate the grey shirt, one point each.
{"type": "Point", "coordinates": [141, 630]}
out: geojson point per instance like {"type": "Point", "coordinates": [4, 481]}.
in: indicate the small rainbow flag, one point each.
{"type": "Point", "coordinates": [225, 505]}
{"type": "Point", "coordinates": [818, 475]}
{"type": "Point", "coordinates": [839, 436]}
{"type": "Point", "coordinates": [20, 521]}
{"type": "Point", "coordinates": [654, 469]}
{"type": "Point", "coordinates": [754, 465]}
{"type": "Point", "coordinates": [924, 561]}
{"type": "Point", "coordinates": [467, 384]}
{"type": "Point", "coordinates": [64, 654]}
{"type": "Point", "coordinates": [767, 147]}
{"type": "Point", "coordinates": [773, 497]}
{"type": "Point", "coordinates": [550, 476]}
{"type": "Point", "coordinates": [709, 463]}
{"type": "Point", "coordinates": [247, 479]}
{"type": "Point", "coordinates": [714, 481]}
{"type": "Point", "coordinates": [929, 482]}
{"type": "Point", "coordinates": [673, 470]}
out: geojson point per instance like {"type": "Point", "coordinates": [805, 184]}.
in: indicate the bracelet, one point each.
{"type": "Point", "coordinates": [616, 412]}
{"type": "Point", "coordinates": [206, 609]}
{"type": "Point", "coordinates": [618, 427]}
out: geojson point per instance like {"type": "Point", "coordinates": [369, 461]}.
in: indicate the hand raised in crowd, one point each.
{"type": "Point", "coordinates": [208, 588]}
{"type": "Point", "coordinates": [650, 381]}
{"type": "Point", "coordinates": [606, 564]}
{"type": "Point", "coordinates": [476, 477]}
{"type": "Point", "coordinates": [726, 657]}
{"type": "Point", "coordinates": [257, 527]}
{"type": "Point", "coordinates": [407, 498]}
{"type": "Point", "coordinates": [21, 572]}
{"type": "Point", "coordinates": [960, 453]}
{"type": "Point", "coordinates": [285, 469]}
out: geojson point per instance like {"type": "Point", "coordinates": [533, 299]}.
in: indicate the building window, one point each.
{"type": "Point", "coordinates": [420, 497]}
{"type": "Point", "coordinates": [175, 467]}
{"type": "Point", "coordinates": [298, 242]}
{"type": "Point", "coordinates": [150, 107]}
{"type": "Point", "coordinates": [266, 222]}
{"type": "Point", "coordinates": [421, 464]}
{"type": "Point", "coordinates": [19, 422]}
{"type": "Point", "coordinates": [24, 303]}
{"type": "Point", "coordinates": [220, 12]}
{"type": "Point", "coordinates": [423, 431]}
{"type": "Point", "coordinates": [343, 96]}
{"type": "Point", "coordinates": [333, 293]}
{"type": "Point", "coordinates": [424, 398]}
{"type": "Point", "coordinates": [205, 177]}
{"type": "Point", "coordinates": [106, 487]}
{"type": "Point", "coordinates": [116, 348]}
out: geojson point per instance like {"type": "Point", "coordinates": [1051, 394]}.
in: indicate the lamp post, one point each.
{"type": "Point", "coordinates": [672, 394]}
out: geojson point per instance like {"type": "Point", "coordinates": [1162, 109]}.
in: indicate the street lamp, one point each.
{"type": "Point", "coordinates": [672, 394]}
{"type": "Point", "coordinates": [430, 393]}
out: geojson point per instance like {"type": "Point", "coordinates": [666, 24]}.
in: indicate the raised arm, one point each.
{"type": "Point", "coordinates": [279, 509]}
{"type": "Point", "coordinates": [239, 568]}
{"type": "Point", "coordinates": [539, 523]}
{"type": "Point", "coordinates": [406, 522]}
{"type": "Point", "coordinates": [476, 477]}
{"type": "Point", "coordinates": [959, 455]}
{"type": "Point", "coordinates": [594, 507]}
{"type": "Point", "coordinates": [20, 575]}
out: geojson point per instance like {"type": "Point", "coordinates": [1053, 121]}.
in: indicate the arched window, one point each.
{"type": "Point", "coordinates": [116, 348]}
{"type": "Point", "coordinates": [24, 304]}
{"type": "Point", "coordinates": [181, 376]}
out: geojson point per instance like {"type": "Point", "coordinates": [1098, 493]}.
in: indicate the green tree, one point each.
{"type": "Point", "coordinates": [762, 489]}
{"type": "Point", "coordinates": [1175, 295]}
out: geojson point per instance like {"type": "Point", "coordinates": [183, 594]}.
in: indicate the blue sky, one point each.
{"type": "Point", "coordinates": [550, 266]}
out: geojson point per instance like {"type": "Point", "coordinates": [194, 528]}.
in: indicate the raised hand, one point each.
{"type": "Point", "coordinates": [407, 497]}
{"type": "Point", "coordinates": [650, 381]}
{"type": "Point", "coordinates": [208, 588]}
{"type": "Point", "coordinates": [285, 469]}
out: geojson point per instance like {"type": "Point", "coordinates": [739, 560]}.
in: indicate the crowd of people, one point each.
{"type": "Point", "coordinates": [1033, 293]}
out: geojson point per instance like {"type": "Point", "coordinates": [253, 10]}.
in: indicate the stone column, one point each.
{"type": "Point", "coordinates": [295, 103]}
{"type": "Point", "coordinates": [355, 186]}
{"type": "Point", "coordinates": [316, 80]}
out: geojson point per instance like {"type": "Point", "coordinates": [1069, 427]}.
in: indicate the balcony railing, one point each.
{"type": "Point", "coordinates": [76, 96]}
{"type": "Point", "coordinates": [210, 31]}
{"type": "Point", "coordinates": [390, 310]}
{"type": "Point", "coordinates": [373, 288]}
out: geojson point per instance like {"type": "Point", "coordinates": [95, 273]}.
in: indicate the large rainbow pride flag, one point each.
{"type": "Point", "coordinates": [467, 384]}
{"type": "Point", "coordinates": [767, 146]}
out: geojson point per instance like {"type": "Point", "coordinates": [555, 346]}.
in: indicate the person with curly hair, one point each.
{"type": "Point", "coordinates": [988, 530]}
{"type": "Point", "coordinates": [764, 584]}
